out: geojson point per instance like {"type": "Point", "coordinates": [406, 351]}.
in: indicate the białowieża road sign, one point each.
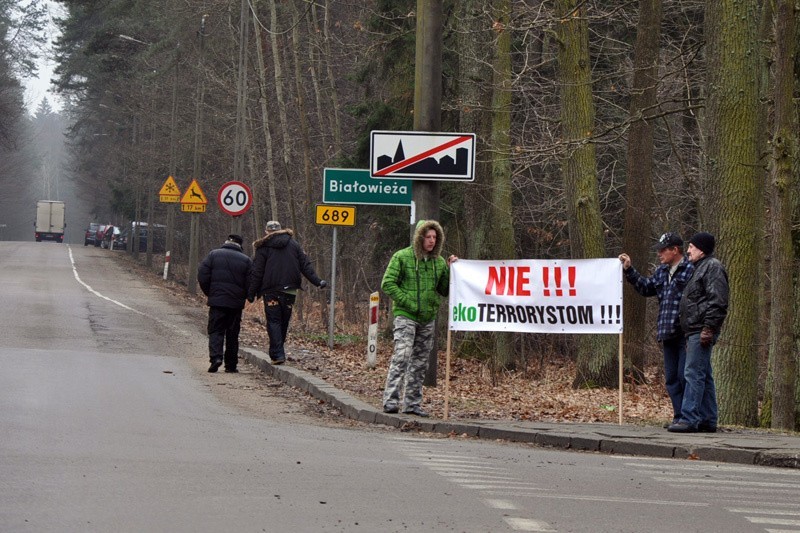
{"type": "Point", "coordinates": [422, 155]}
{"type": "Point", "coordinates": [354, 186]}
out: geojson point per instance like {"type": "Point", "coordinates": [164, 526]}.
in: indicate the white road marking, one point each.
{"type": "Point", "coordinates": [526, 524]}
{"type": "Point", "coordinates": [78, 278]}
{"type": "Point", "coordinates": [500, 504]}
{"type": "Point", "coordinates": [779, 512]}
{"type": "Point", "coordinates": [115, 302]}
{"type": "Point", "coordinates": [773, 521]}
{"type": "Point", "coordinates": [706, 481]}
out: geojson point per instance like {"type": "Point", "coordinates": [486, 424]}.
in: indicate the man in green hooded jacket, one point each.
{"type": "Point", "coordinates": [415, 280]}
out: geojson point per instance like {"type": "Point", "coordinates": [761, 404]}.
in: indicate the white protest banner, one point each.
{"type": "Point", "coordinates": [537, 296]}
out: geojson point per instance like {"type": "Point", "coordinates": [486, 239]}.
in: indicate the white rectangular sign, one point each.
{"type": "Point", "coordinates": [537, 296]}
{"type": "Point", "coordinates": [422, 155]}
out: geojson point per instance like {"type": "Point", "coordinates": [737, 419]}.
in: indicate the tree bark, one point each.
{"type": "Point", "coordinates": [503, 243]}
{"type": "Point", "coordinates": [783, 366]}
{"type": "Point", "coordinates": [735, 198]}
{"type": "Point", "coordinates": [596, 364]}
{"type": "Point", "coordinates": [639, 185]}
{"type": "Point", "coordinates": [270, 159]}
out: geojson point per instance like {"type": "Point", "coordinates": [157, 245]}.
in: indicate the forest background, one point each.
{"type": "Point", "coordinates": [600, 125]}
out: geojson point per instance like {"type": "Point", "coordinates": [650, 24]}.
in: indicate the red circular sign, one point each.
{"type": "Point", "coordinates": [235, 198]}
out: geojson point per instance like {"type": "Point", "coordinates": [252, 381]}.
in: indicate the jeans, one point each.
{"type": "Point", "coordinates": [223, 330]}
{"type": "Point", "coordinates": [700, 396]}
{"type": "Point", "coordinates": [278, 310]}
{"type": "Point", "coordinates": [674, 362]}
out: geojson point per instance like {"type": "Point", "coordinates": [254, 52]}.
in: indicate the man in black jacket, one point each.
{"type": "Point", "coordinates": [276, 276]}
{"type": "Point", "coordinates": [703, 309]}
{"type": "Point", "coordinates": [224, 276]}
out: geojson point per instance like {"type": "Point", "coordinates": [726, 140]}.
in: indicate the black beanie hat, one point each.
{"type": "Point", "coordinates": [236, 238]}
{"type": "Point", "coordinates": [704, 242]}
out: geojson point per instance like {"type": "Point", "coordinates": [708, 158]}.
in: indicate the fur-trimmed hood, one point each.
{"type": "Point", "coordinates": [278, 242]}
{"type": "Point", "coordinates": [423, 226]}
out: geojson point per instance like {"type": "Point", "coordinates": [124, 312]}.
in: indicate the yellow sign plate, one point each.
{"type": "Point", "coordinates": [194, 195]}
{"type": "Point", "coordinates": [336, 215]}
{"type": "Point", "coordinates": [169, 193]}
{"type": "Point", "coordinates": [193, 208]}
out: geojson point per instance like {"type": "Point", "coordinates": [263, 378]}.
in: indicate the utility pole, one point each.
{"type": "Point", "coordinates": [428, 116]}
{"type": "Point", "coordinates": [194, 244]}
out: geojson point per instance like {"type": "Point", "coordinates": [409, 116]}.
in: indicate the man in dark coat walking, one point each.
{"type": "Point", "coordinates": [278, 266]}
{"type": "Point", "coordinates": [224, 276]}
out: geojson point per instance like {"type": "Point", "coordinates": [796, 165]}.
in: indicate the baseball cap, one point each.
{"type": "Point", "coordinates": [668, 239]}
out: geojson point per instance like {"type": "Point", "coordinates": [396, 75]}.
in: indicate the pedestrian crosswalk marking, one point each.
{"type": "Point", "coordinates": [526, 524]}
{"type": "Point", "coordinates": [773, 521]}
{"type": "Point", "coordinates": [779, 512]}
{"type": "Point", "coordinates": [501, 504]}
{"type": "Point", "coordinates": [476, 474]}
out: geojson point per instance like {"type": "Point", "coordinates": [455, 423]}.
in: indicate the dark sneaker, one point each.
{"type": "Point", "coordinates": [214, 366]}
{"type": "Point", "coordinates": [416, 410]}
{"type": "Point", "coordinates": [705, 427]}
{"type": "Point", "coordinates": [232, 370]}
{"type": "Point", "coordinates": [681, 427]}
{"type": "Point", "coordinates": [390, 409]}
{"type": "Point", "coordinates": [668, 424]}
{"type": "Point", "coordinates": [278, 361]}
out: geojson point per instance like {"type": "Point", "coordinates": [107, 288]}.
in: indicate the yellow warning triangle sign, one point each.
{"type": "Point", "coordinates": [194, 195]}
{"type": "Point", "coordinates": [169, 193]}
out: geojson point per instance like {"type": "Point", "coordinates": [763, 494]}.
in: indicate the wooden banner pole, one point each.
{"type": "Point", "coordinates": [620, 378]}
{"type": "Point", "coordinates": [447, 378]}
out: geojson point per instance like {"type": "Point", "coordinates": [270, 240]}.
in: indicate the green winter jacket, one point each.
{"type": "Point", "coordinates": [415, 280]}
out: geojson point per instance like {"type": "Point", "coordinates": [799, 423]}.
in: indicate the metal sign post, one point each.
{"type": "Point", "coordinates": [332, 301]}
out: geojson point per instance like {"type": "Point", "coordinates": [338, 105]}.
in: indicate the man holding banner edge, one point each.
{"type": "Point", "coordinates": [667, 283]}
{"type": "Point", "coordinates": [415, 279]}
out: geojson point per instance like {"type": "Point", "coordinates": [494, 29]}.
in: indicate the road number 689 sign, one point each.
{"type": "Point", "coordinates": [235, 198]}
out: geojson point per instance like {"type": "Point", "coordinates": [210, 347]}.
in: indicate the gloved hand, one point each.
{"type": "Point", "coordinates": [706, 337]}
{"type": "Point", "coordinates": [323, 284]}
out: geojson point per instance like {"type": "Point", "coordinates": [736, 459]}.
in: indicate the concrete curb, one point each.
{"type": "Point", "coordinates": [763, 450]}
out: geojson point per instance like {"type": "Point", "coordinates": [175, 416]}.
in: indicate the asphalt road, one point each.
{"type": "Point", "coordinates": [109, 422]}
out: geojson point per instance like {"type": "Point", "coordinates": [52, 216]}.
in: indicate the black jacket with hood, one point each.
{"type": "Point", "coordinates": [278, 265]}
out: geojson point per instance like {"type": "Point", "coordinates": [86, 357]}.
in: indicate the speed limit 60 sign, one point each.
{"type": "Point", "coordinates": [336, 215]}
{"type": "Point", "coordinates": [235, 198]}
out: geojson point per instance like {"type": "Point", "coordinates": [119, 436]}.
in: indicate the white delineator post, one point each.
{"type": "Point", "coordinates": [372, 332]}
{"type": "Point", "coordinates": [166, 265]}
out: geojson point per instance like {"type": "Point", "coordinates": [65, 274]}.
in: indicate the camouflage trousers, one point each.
{"type": "Point", "coordinates": [412, 345]}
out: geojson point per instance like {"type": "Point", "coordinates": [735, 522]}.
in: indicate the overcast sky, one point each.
{"type": "Point", "coordinates": [39, 87]}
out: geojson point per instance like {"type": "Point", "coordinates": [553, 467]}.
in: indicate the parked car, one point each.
{"type": "Point", "coordinates": [159, 237]}
{"type": "Point", "coordinates": [90, 237]}
{"type": "Point", "coordinates": [112, 236]}
{"type": "Point", "coordinates": [100, 234]}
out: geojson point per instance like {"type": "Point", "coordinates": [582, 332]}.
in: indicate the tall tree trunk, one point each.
{"type": "Point", "coordinates": [503, 244]}
{"type": "Point", "coordinates": [783, 366]}
{"type": "Point", "coordinates": [270, 159]}
{"type": "Point", "coordinates": [475, 98]}
{"type": "Point", "coordinates": [334, 95]}
{"type": "Point", "coordinates": [735, 196]}
{"type": "Point", "coordinates": [639, 185]}
{"type": "Point", "coordinates": [597, 355]}
{"type": "Point", "coordinates": [283, 122]}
